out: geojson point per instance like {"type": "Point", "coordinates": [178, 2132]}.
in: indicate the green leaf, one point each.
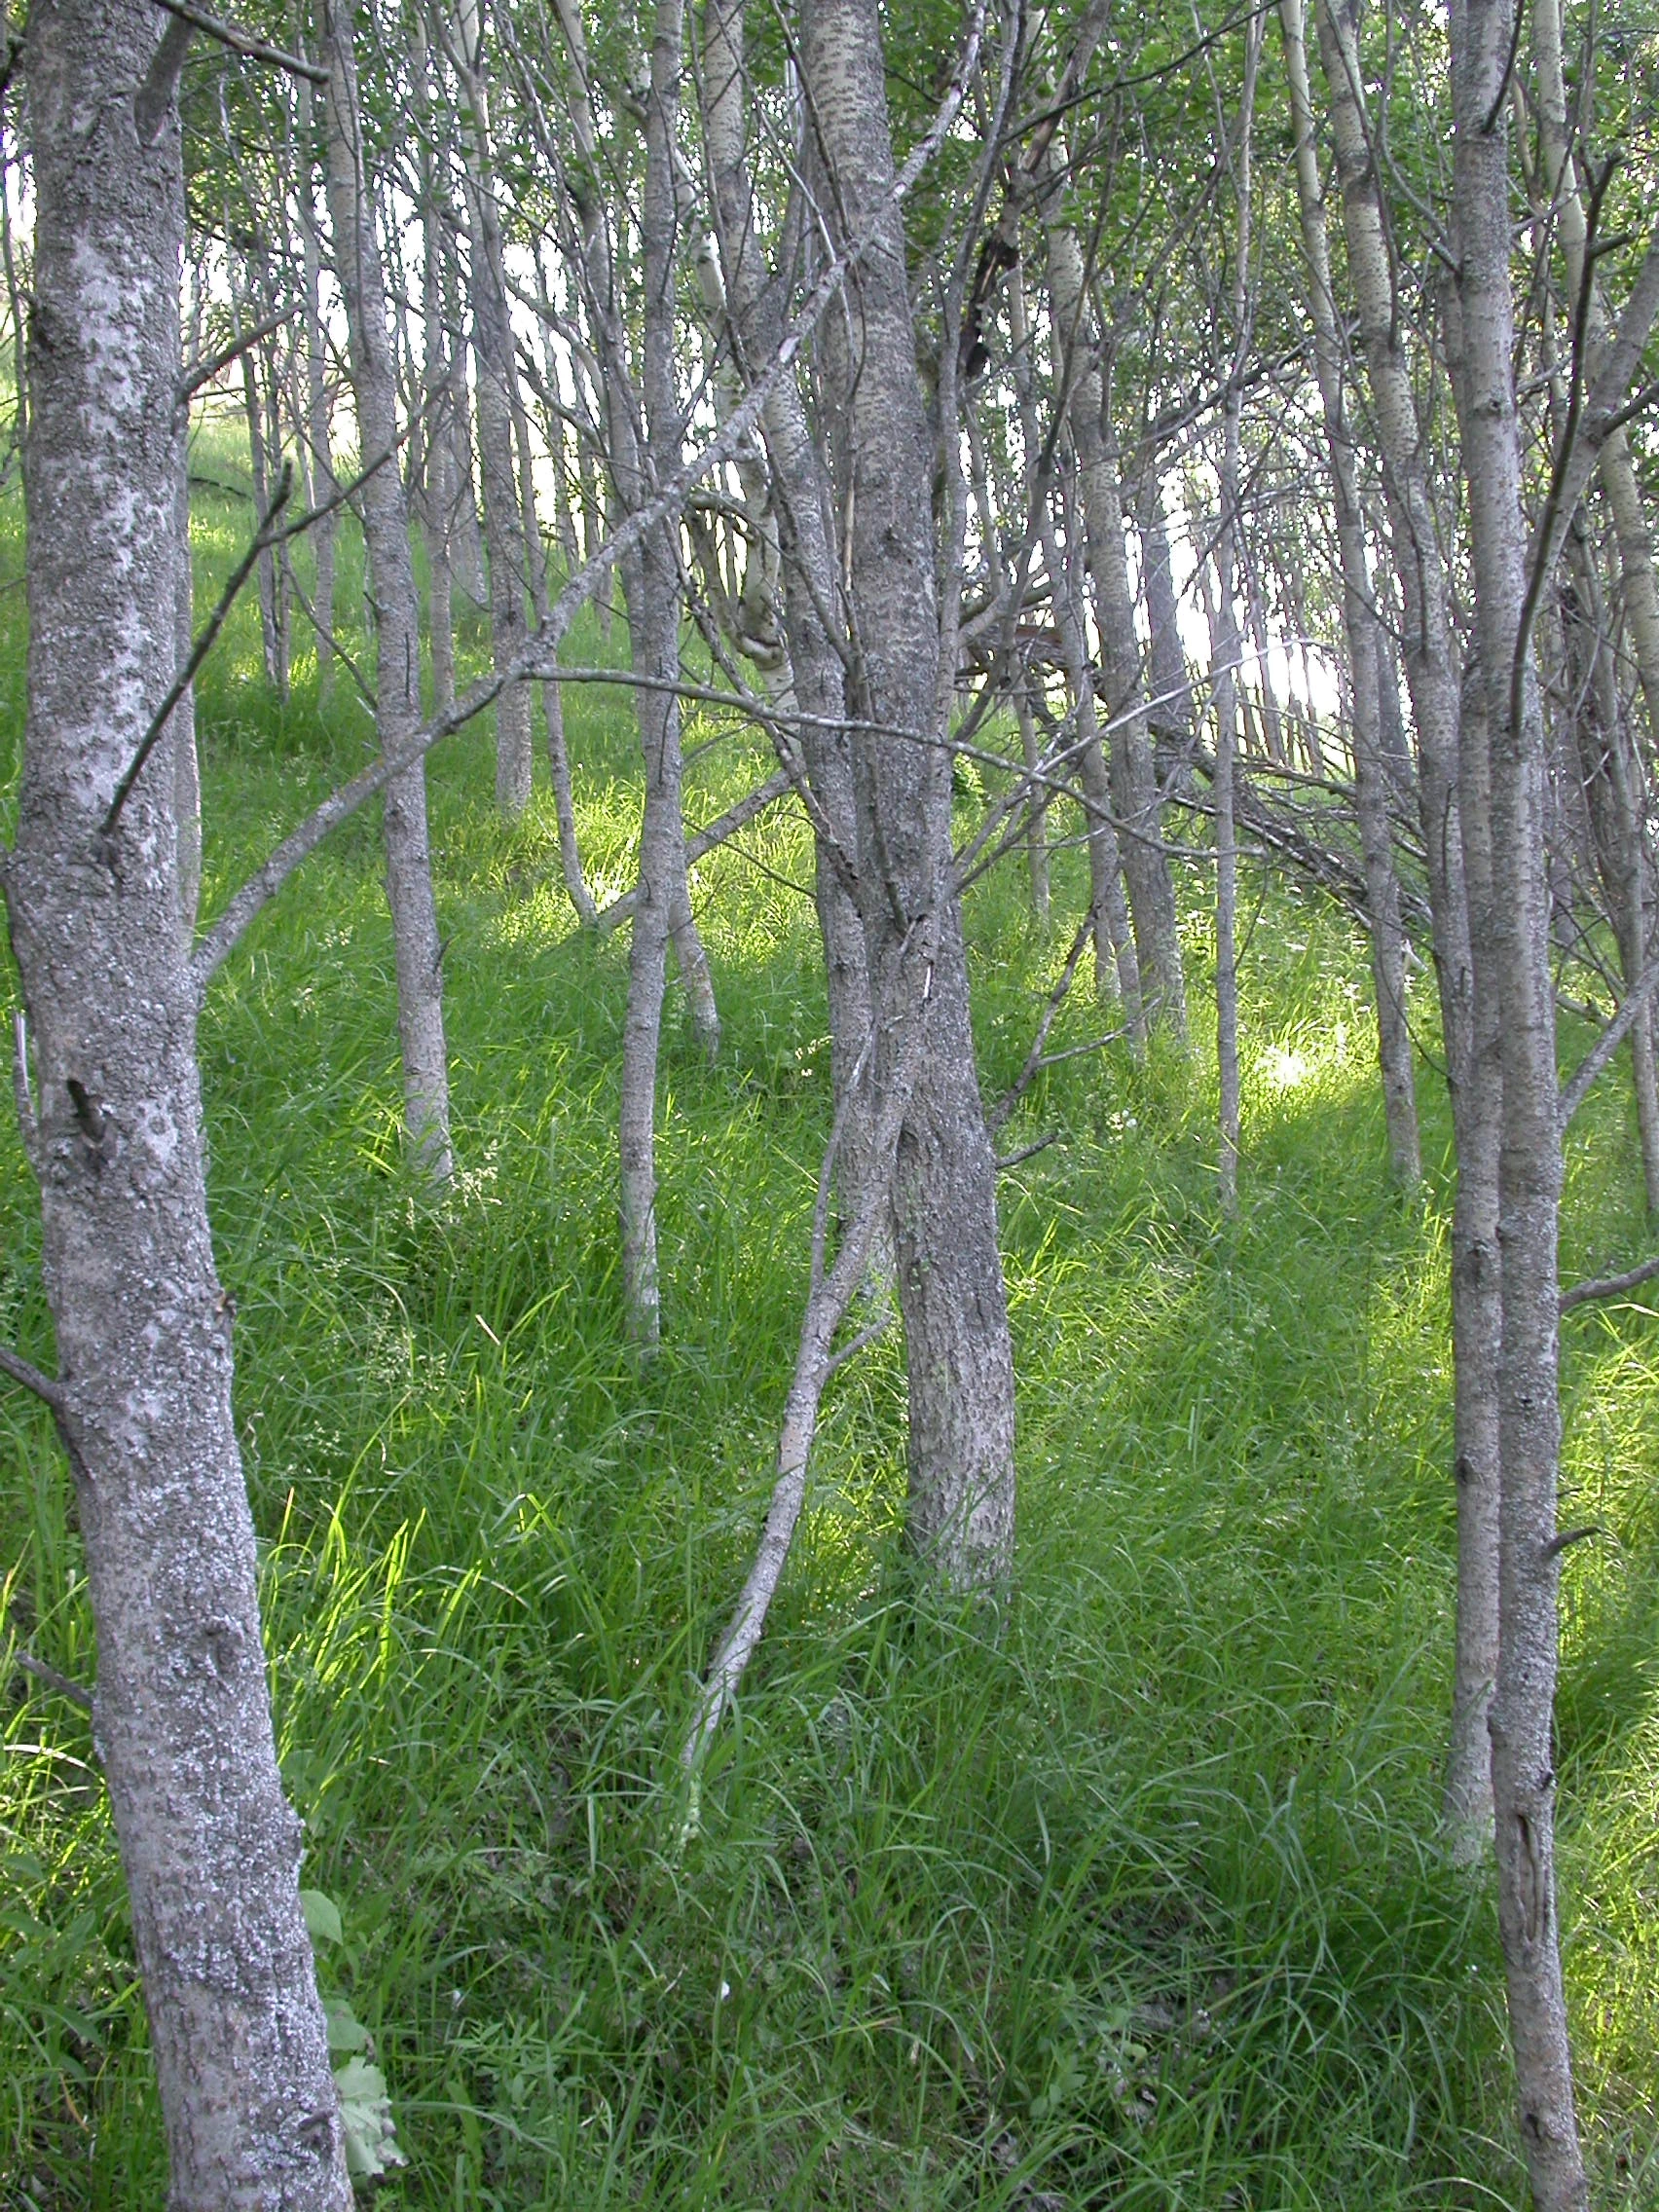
{"type": "Point", "coordinates": [322, 1917]}
{"type": "Point", "coordinates": [346, 2031]}
{"type": "Point", "coordinates": [365, 2115]}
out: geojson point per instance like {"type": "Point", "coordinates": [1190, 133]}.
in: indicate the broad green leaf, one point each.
{"type": "Point", "coordinates": [366, 2113]}
{"type": "Point", "coordinates": [322, 1917]}
{"type": "Point", "coordinates": [346, 2031]}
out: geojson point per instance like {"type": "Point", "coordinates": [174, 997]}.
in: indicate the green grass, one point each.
{"type": "Point", "coordinates": [1127, 1891]}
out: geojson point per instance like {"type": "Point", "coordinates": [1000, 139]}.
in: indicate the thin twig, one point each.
{"type": "Point", "coordinates": [48, 1392]}
{"type": "Point", "coordinates": [26, 1663]}
{"type": "Point", "coordinates": [199, 652]}
{"type": "Point", "coordinates": [191, 380]}
{"type": "Point", "coordinates": [1578, 1087]}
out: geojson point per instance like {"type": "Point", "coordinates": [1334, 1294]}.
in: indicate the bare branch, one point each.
{"type": "Point", "coordinates": [1578, 1086]}
{"type": "Point", "coordinates": [27, 1664]}
{"type": "Point", "coordinates": [199, 652]}
{"type": "Point", "coordinates": [704, 841]}
{"type": "Point", "coordinates": [48, 1392]}
{"type": "Point", "coordinates": [243, 42]}
{"type": "Point", "coordinates": [205, 371]}
{"type": "Point", "coordinates": [1608, 1286]}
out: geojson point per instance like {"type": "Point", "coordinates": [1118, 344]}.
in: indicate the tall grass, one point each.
{"type": "Point", "coordinates": [1126, 1892]}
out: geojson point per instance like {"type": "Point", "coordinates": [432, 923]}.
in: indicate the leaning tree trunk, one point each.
{"type": "Point", "coordinates": [1359, 619]}
{"type": "Point", "coordinates": [397, 627]}
{"type": "Point", "coordinates": [1432, 677]}
{"type": "Point", "coordinates": [182, 1715]}
{"type": "Point", "coordinates": [958, 1354]}
{"type": "Point", "coordinates": [1529, 1168]}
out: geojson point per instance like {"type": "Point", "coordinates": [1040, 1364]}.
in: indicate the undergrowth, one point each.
{"type": "Point", "coordinates": [1126, 1892]}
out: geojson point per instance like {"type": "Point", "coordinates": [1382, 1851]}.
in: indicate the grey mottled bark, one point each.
{"type": "Point", "coordinates": [397, 619]}
{"type": "Point", "coordinates": [806, 576]}
{"type": "Point", "coordinates": [1432, 677]}
{"type": "Point", "coordinates": [1359, 620]}
{"type": "Point", "coordinates": [951, 1284]}
{"type": "Point", "coordinates": [182, 1717]}
{"type": "Point", "coordinates": [494, 408]}
{"type": "Point", "coordinates": [1529, 1167]}
{"type": "Point", "coordinates": [1134, 786]}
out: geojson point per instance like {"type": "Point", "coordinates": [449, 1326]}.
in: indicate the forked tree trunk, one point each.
{"type": "Point", "coordinates": [1529, 1168]}
{"type": "Point", "coordinates": [397, 625]}
{"type": "Point", "coordinates": [1434, 681]}
{"type": "Point", "coordinates": [1359, 620]}
{"type": "Point", "coordinates": [182, 1717]}
{"type": "Point", "coordinates": [961, 1506]}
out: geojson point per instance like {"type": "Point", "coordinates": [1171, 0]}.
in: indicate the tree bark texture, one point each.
{"type": "Point", "coordinates": [182, 1717]}
{"type": "Point", "coordinates": [950, 1284]}
{"type": "Point", "coordinates": [1359, 620]}
{"type": "Point", "coordinates": [801, 502]}
{"type": "Point", "coordinates": [1522, 1715]}
{"type": "Point", "coordinates": [397, 620]}
{"type": "Point", "coordinates": [1133, 783]}
{"type": "Point", "coordinates": [1434, 681]}
{"type": "Point", "coordinates": [493, 406]}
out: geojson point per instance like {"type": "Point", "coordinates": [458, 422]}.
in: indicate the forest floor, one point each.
{"type": "Point", "coordinates": [1129, 1894]}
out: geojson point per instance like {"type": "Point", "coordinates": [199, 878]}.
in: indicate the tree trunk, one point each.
{"type": "Point", "coordinates": [1170, 713]}
{"type": "Point", "coordinates": [1522, 1715]}
{"type": "Point", "coordinates": [319, 471]}
{"type": "Point", "coordinates": [1371, 788]}
{"type": "Point", "coordinates": [397, 626]}
{"type": "Point", "coordinates": [1610, 779]}
{"type": "Point", "coordinates": [806, 571]}
{"type": "Point", "coordinates": [1134, 786]}
{"type": "Point", "coordinates": [1226, 650]}
{"type": "Point", "coordinates": [493, 410]}
{"type": "Point", "coordinates": [960, 1518]}
{"type": "Point", "coordinates": [182, 1717]}
{"type": "Point", "coordinates": [1432, 678]}
{"type": "Point", "coordinates": [438, 489]}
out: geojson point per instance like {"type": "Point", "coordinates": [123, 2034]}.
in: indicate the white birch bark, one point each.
{"type": "Point", "coordinates": [181, 1717]}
